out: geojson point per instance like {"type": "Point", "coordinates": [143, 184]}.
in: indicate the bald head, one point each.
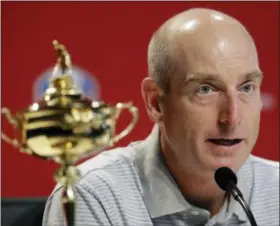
{"type": "Point", "coordinates": [194, 37]}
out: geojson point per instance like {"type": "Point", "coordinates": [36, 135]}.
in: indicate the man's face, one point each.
{"type": "Point", "coordinates": [211, 115]}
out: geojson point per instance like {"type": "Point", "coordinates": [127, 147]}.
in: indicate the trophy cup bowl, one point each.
{"type": "Point", "coordinates": [64, 126]}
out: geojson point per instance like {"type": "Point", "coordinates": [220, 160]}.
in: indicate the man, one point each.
{"type": "Point", "coordinates": [203, 94]}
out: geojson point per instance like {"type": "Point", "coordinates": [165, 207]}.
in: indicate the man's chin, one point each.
{"type": "Point", "coordinates": [231, 162]}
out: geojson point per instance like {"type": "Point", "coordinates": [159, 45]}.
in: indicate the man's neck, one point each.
{"type": "Point", "coordinates": [198, 189]}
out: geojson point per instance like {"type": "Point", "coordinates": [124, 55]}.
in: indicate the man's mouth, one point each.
{"type": "Point", "coordinates": [225, 142]}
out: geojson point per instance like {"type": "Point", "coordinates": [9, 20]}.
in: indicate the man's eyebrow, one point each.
{"type": "Point", "coordinates": [199, 76]}
{"type": "Point", "coordinates": [254, 75]}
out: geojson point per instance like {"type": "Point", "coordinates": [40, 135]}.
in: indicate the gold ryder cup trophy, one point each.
{"type": "Point", "coordinates": [65, 126]}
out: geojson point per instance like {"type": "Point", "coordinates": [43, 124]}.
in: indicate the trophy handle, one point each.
{"type": "Point", "coordinates": [12, 120]}
{"type": "Point", "coordinates": [134, 112]}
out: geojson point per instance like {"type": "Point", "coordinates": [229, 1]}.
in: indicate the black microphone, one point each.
{"type": "Point", "coordinates": [227, 180]}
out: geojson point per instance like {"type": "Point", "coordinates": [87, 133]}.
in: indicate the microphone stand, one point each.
{"type": "Point", "coordinates": [235, 192]}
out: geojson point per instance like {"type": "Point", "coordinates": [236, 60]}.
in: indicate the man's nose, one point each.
{"type": "Point", "coordinates": [230, 112]}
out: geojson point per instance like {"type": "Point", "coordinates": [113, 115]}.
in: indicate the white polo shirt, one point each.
{"type": "Point", "coordinates": [130, 186]}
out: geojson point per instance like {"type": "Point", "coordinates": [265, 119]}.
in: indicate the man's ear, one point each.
{"type": "Point", "coordinates": [151, 96]}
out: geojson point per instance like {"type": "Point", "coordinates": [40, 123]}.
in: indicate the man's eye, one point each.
{"type": "Point", "coordinates": [205, 89]}
{"type": "Point", "coordinates": [247, 88]}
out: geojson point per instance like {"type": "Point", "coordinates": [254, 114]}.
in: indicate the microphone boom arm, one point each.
{"type": "Point", "coordinates": [235, 192]}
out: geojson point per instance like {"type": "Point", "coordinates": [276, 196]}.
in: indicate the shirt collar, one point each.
{"type": "Point", "coordinates": [160, 192]}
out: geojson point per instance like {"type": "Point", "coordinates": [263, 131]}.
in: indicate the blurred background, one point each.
{"type": "Point", "coordinates": [108, 43]}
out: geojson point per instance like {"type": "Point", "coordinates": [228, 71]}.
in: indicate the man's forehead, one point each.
{"type": "Point", "coordinates": [225, 40]}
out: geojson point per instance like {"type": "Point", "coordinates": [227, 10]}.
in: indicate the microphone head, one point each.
{"type": "Point", "coordinates": [223, 176]}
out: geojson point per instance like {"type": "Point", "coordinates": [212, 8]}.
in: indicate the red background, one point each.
{"type": "Point", "coordinates": [110, 41]}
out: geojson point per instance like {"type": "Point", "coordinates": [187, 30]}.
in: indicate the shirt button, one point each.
{"type": "Point", "coordinates": [194, 212]}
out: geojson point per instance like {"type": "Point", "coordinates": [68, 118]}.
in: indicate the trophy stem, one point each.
{"type": "Point", "coordinates": [66, 175]}
{"type": "Point", "coordinates": [68, 206]}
